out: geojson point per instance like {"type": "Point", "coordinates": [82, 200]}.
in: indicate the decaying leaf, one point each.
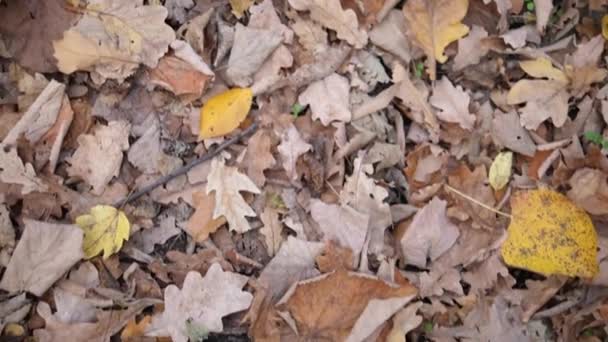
{"type": "Point", "coordinates": [548, 234]}
{"type": "Point", "coordinates": [341, 223]}
{"type": "Point", "coordinates": [291, 148]}
{"type": "Point", "coordinates": [271, 230]}
{"type": "Point", "coordinates": [113, 37]}
{"type": "Point", "coordinates": [453, 103]}
{"type": "Point", "coordinates": [105, 228]}
{"type": "Point", "coordinates": [435, 24]}
{"type": "Point", "coordinates": [226, 182]}
{"type": "Point", "coordinates": [259, 157]}
{"type": "Point", "coordinates": [328, 99]}
{"type": "Point", "coordinates": [470, 48]}
{"type": "Point", "coordinates": [329, 306]}
{"type": "Point", "coordinates": [590, 190]}
{"type": "Point", "coordinates": [202, 223]}
{"type": "Point", "coordinates": [200, 304]}
{"type": "Point", "coordinates": [44, 254]}
{"type": "Point", "coordinates": [500, 170]}
{"type": "Point", "coordinates": [14, 171]}
{"type": "Point", "coordinates": [224, 112]}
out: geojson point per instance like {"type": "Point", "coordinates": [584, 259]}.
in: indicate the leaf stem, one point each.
{"type": "Point", "coordinates": [485, 206]}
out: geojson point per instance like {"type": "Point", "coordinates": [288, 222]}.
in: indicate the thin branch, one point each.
{"type": "Point", "coordinates": [184, 169]}
{"type": "Point", "coordinates": [485, 206]}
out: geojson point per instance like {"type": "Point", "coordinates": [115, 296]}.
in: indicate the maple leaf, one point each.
{"type": "Point", "coordinates": [434, 24]}
{"type": "Point", "coordinates": [104, 228]}
{"type": "Point", "coordinates": [200, 304]}
{"type": "Point", "coordinates": [227, 182]}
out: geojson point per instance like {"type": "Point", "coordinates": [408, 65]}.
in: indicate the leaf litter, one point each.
{"type": "Point", "coordinates": [304, 169]}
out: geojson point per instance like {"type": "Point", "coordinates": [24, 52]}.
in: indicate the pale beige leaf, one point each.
{"type": "Point", "coordinates": [312, 36]}
{"type": "Point", "coordinates": [258, 157]}
{"type": "Point", "coordinates": [113, 37]}
{"type": "Point", "coordinates": [453, 103]}
{"type": "Point", "coordinates": [543, 13]}
{"type": "Point", "coordinates": [148, 238]}
{"type": "Point", "coordinates": [271, 230]}
{"type": "Point", "coordinates": [404, 321]}
{"type": "Point", "coordinates": [291, 148]}
{"type": "Point", "coordinates": [542, 68]}
{"type": "Point", "coordinates": [587, 53]}
{"type": "Point", "coordinates": [227, 182]}
{"type": "Point", "coordinates": [391, 35]}
{"type": "Point", "coordinates": [13, 171]}
{"type": "Point", "coordinates": [340, 223]}
{"type": "Point", "coordinates": [470, 48]}
{"type": "Point", "coordinates": [544, 99]}
{"type": "Point", "coordinates": [202, 223]}
{"type": "Point", "coordinates": [99, 155]}
{"type": "Point", "coordinates": [202, 302]}
{"type": "Point", "coordinates": [44, 254]}
{"type": "Point", "coordinates": [376, 313]}
{"type": "Point", "coordinates": [328, 99]}
{"type": "Point", "coordinates": [508, 132]}
{"type": "Point", "coordinates": [518, 37]}
{"type": "Point", "coordinates": [330, 14]}
{"type": "Point", "coordinates": [429, 235]}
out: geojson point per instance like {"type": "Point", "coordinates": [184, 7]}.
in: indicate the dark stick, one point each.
{"type": "Point", "coordinates": [184, 169]}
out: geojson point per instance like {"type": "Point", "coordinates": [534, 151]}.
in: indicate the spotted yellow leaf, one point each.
{"type": "Point", "coordinates": [500, 170]}
{"type": "Point", "coordinates": [224, 112]}
{"type": "Point", "coordinates": [105, 228]}
{"type": "Point", "coordinates": [549, 235]}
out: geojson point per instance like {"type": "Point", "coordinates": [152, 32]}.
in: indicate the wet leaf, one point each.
{"type": "Point", "coordinates": [548, 234]}
{"type": "Point", "coordinates": [223, 113]}
{"type": "Point", "coordinates": [105, 228]}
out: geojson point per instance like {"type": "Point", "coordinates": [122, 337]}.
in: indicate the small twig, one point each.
{"type": "Point", "coordinates": [184, 169]}
{"type": "Point", "coordinates": [485, 206]}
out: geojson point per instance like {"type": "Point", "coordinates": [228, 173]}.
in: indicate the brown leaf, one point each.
{"type": "Point", "coordinates": [328, 307]}
{"type": "Point", "coordinates": [475, 184]}
{"type": "Point", "coordinates": [334, 258]}
{"type": "Point", "coordinates": [202, 223]}
{"type": "Point", "coordinates": [179, 77]}
{"type": "Point", "coordinates": [590, 190]}
{"type": "Point", "coordinates": [259, 157]}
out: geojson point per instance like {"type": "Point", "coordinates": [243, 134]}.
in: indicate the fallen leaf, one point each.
{"type": "Point", "coordinates": [548, 234]}
{"type": "Point", "coordinates": [508, 132]}
{"type": "Point", "coordinates": [429, 235]}
{"type": "Point", "coordinates": [239, 7]}
{"type": "Point", "coordinates": [542, 68]}
{"type": "Point", "coordinates": [518, 37]}
{"type": "Point", "coordinates": [157, 235]}
{"type": "Point", "coordinates": [544, 99]}
{"type": "Point", "coordinates": [259, 157]}
{"type": "Point", "coordinates": [107, 325]}
{"type": "Point", "coordinates": [295, 261]}
{"type": "Point", "coordinates": [44, 254]}
{"type": "Point", "coordinates": [224, 112]}
{"type": "Point", "coordinates": [391, 35]}
{"type": "Point", "coordinates": [543, 13]}
{"type": "Point", "coordinates": [292, 146]}
{"type": "Point", "coordinates": [470, 48]}
{"type": "Point", "coordinates": [50, 143]}
{"type": "Point", "coordinates": [404, 321]}
{"type": "Point", "coordinates": [329, 307]}
{"type": "Point", "coordinates": [7, 236]}
{"type": "Point", "coordinates": [328, 99]}
{"type": "Point", "coordinates": [341, 223]}
{"type": "Point", "coordinates": [376, 316]}
{"type": "Point", "coordinates": [201, 303]}
{"type": "Point", "coordinates": [434, 25]}
{"type": "Point", "coordinates": [135, 329]}
{"type": "Point", "coordinates": [14, 171]}
{"type": "Point", "coordinates": [73, 307]}
{"type": "Point", "coordinates": [99, 155]}
{"type": "Point", "coordinates": [332, 15]}
{"type": "Point", "coordinates": [112, 38]}
{"type": "Point", "coordinates": [177, 9]}
{"type": "Point", "coordinates": [14, 309]}
{"type": "Point", "coordinates": [227, 182]}
{"type": "Point", "coordinates": [179, 77]}
{"type": "Point", "coordinates": [589, 190]}
{"type": "Point", "coordinates": [500, 170]}
{"type": "Point", "coordinates": [202, 223]}
{"type": "Point", "coordinates": [311, 35]}
{"type": "Point", "coordinates": [271, 230]}
{"type": "Point", "coordinates": [453, 103]}
{"type": "Point", "coordinates": [105, 228]}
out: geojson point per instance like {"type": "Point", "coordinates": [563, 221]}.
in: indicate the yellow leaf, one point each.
{"type": "Point", "coordinates": [434, 25]}
{"type": "Point", "coordinates": [240, 6]}
{"type": "Point", "coordinates": [224, 112]}
{"type": "Point", "coordinates": [605, 26]}
{"type": "Point", "coordinates": [542, 67]}
{"type": "Point", "coordinates": [500, 171]}
{"type": "Point", "coordinates": [548, 234]}
{"type": "Point", "coordinates": [105, 229]}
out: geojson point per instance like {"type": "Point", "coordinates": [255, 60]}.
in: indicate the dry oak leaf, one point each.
{"type": "Point", "coordinates": [330, 14]}
{"type": "Point", "coordinates": [227, 182]}
{"type": "Point", "coordinates": [113, 37]}
{"type": "Point", "coordinates": [105, 228]}
{"type": "Point", "coordinates": [259, 157]}
{"type": "Point", "coordinates": [548, 234]}
{"type": "Point", "coordinates": [291, 148]}
{"type": "Point", "coordinates": [328, 99]}
{"type": "Point", "coordinates": [13, 171]}
{"type": "Point", "coordinates": [202, 223]}
{"type": "Point", "coordinates": [589, 190]}
{"type": "Point", "coordinates": [44, 254]}
{"type": "Point", "coordinates": [341, 223]}
{"type": "Point", "coordinates": [329, 307]}
{"type": "Point", "coordinates": [200, 304]}
{"type": "Point", "coordinates": [99, 155]}
{"type": "Point", "coordinates": [453, 103]}
{"type": "Point", "coordinates": [434, 24]}
{"type": "Point", "coordinates": [429, 235]}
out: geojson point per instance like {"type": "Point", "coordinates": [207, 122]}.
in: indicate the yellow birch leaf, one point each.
{"type": "Point", "coordinates": [549, 235]}
{"type": "Point", "coordinates": [542, 67]}
{"type": "Point", "coordinates": [500, 170]}
{"type": "Point", "coordinates": [105, 228]}
{"type": "Point", "coordinates": [435, 24]}
{"type": "Point", "coordinates": [605, 26]}
{"type": "Point", "coordinates": [239, 7]}
{"type": "Point", "coordinates": [224, 112]}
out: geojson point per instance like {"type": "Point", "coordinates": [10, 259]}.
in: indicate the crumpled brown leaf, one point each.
{"type": "Point", "coordinates": [44, 253]}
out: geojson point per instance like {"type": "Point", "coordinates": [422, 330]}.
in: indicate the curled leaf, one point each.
{"type": "Point", "coordinates": [548, 234]}
{"type": "Point", "coordinates": [224, 112]}
{"type": "Point", "coordinates": [105, 228]}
